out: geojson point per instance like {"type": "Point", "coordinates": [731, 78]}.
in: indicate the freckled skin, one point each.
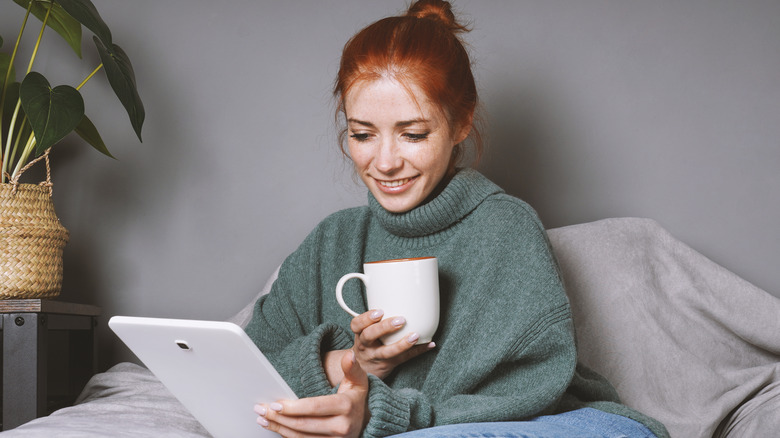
{"type": "Point", "coordinates": [401, 145]}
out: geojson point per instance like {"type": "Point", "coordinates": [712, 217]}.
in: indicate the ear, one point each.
{"type": "Point", "coordinates": [463, 130]}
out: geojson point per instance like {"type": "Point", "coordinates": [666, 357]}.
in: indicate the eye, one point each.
{"type": "Point", "coordinates": [417, 137]}
{"type": "Point", "coordinates": [359, 136]}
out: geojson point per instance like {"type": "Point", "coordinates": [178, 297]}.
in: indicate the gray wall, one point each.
{"type": "Point", "coordinates": [595, 109]}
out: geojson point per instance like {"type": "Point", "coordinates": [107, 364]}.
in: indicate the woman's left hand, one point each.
{"type": "Point", "coordinates": [343, 414]}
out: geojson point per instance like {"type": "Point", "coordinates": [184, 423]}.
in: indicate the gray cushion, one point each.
{"type": "Point", "coordinates": [681, 338]}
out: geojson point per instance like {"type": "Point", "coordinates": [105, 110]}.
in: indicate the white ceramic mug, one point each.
{"type": "Point", "coordinates": [401, 287]}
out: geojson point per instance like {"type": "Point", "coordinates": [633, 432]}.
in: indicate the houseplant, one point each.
{"type": "Point", "coordinates": [35, 116]}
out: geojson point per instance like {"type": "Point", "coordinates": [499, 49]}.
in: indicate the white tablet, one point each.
{"type": "Point", "coordinates": [212, 367]}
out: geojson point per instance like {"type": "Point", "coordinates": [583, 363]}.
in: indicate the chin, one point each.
{"type": "Point", "coordinates": [396, 206]}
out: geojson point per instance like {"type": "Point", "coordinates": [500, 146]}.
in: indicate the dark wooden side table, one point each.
{"type": "Point", "coordinates": [48, 356]}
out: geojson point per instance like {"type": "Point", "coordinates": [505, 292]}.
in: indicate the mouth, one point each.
{"type": "Point", "coordinates": [396, 185]}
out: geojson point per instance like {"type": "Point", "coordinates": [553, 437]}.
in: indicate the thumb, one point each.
{"type": "Point", "coordinates": [354, 375]}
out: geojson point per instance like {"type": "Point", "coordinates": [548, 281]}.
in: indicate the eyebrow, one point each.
{"type": "Point", "coordinates": [401, 124]}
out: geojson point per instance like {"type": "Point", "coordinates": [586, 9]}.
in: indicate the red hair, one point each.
{"type": "Point", "coordinates": [420, 48]}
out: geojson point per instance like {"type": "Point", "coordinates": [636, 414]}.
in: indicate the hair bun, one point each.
{"type": "Point", "coordinates": [437, 10]}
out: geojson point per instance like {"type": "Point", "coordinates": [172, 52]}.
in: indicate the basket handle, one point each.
{"type": "Point", "coordinates": [47, 183]}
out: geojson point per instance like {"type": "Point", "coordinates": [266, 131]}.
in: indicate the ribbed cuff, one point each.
{"type": "Point", "coordinates": [326, 337]}
{"type": "Point", "coordinates": [390, 413]}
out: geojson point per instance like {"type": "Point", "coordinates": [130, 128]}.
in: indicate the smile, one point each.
{"type": "Point", "coordinates": [396, 186]}
{"type": "Point", "coordinates": [396, 183]}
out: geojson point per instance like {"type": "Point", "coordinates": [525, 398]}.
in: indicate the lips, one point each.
{"type": "Point", "coordinates": [394, 186]}
{"type": "Point", "coordinates": [395, 183]}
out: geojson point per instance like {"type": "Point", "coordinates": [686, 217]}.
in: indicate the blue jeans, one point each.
{"type": "Point", "coordinates": [582, 423]}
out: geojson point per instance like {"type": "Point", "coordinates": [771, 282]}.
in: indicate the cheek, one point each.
{"type": "Point", "coordinates": [437, 158]}
{"type": "Point", "coordinates": [358, 156]}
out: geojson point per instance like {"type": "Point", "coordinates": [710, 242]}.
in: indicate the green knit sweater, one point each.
{"type": "Point", "coordinates": [505, 344]}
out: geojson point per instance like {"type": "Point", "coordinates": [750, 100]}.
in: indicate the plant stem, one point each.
{"type": "Point", "coordinates": [27, 149]}
{"type": "Point", "coordinates": [7, 157]}
{"type": "Point", "coordinates": [18, 137]}
{"type": "Point", "coordinates": [40, 37]}
{"type": "Point", "coordinates": [97, 69]}
{"type": "Point", "coordinates": [5, 88]}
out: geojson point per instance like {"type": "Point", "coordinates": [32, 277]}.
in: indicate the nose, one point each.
{"type": "Point", "coordinates": [388, 157]}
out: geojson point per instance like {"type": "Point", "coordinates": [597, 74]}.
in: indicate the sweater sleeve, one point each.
{"type": "Point", "coordinates": [288, 327]}
{"type": "Point", "coordinates": [298, 358]}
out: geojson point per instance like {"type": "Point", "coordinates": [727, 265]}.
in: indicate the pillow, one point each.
{"type": "Point", "coordinates": [244, 315]}
{"type": "Point", "coordinates": [682, 339]}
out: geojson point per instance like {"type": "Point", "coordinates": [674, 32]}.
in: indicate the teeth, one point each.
{"type": "Point", "coordinates": [396, 183]}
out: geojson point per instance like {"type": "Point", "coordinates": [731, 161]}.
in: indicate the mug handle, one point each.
{"type": "Point", "coordinates": [340, 285]}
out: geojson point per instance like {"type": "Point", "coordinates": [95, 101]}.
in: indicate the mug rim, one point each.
{"type": "Point", "coordinates": [411, 259]}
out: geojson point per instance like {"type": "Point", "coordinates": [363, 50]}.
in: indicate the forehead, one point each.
{"type": "Point", "coordinates": [386, 97]}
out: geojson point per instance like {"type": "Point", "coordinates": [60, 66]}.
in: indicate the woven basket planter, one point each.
{"type": "Point", "coordinates": [31, 243]}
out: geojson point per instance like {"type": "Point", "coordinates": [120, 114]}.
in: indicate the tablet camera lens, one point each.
{"type": "Point", "coordinates": [183, 345]}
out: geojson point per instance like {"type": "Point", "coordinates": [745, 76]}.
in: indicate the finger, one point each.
{"type": "Point", "coordinates": [407, 349]}
{"type": "Point", "coordinates": [278, 418]}
{"type": "Point", "coordinates": [355, 377]}
{"type": "Point", "coordinates": [376, 331]}
{"type": "Point", "coordinates": [360, 322]}
{"type": "Point", "coordinates": [281, 429]}
{"type": "Point", "coordinates": [399, 351]}
{"type": "Point", "coordinates": [294, 427]}
{"type": "Point", "coordinates": [322, 406]}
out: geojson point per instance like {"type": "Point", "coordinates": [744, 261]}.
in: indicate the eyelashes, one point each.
{"type": "Point", "coordinates": [412, 137]}
{"type": "Point", "coordinates": [359, 137]}
{"type": "Point", "coordinates": [417, 137]}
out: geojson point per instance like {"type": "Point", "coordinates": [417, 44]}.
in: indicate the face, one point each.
{"type": "Point", "coordinates": [401, 146]}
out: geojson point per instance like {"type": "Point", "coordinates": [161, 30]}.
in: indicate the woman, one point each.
{"type": "Point", "coordinates": [504, 358]}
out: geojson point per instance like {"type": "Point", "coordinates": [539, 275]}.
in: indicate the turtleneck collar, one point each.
{"type": "Point", "coordinates": [465, 191]}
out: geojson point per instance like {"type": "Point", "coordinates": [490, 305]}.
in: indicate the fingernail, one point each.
{"type": "Point", "coordinates": [413, 338]}
{"type": "Point", "coordinates": [276, 406]}
{"type": "Point", "coordinates": [260, 410]}
{"type": "Point", "coordinates": [376, 314]}
{"type": "Point", "coordinates": [262, 421]}
{"type": "Point", "coordinates": [431, 345]}
{"type": "Point", "coordinates": [398, 321]}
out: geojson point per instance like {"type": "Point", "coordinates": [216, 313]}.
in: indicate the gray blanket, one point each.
{"type": "Point", "coordinates": [681, 338]}
{"type": "Point", "coordinates": [126, 401]}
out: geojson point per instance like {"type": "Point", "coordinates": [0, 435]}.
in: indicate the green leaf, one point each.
{"type": "Point", "coordinates": [86, 13]}
{"type": "Point", "coordinates": [59, 20]}
{"type": "Point", "coordinates": [122, 79]}
{"type": "Point", "coordinates": [86, 130]}
{"type": "Point", "coordinates": [53, 112]}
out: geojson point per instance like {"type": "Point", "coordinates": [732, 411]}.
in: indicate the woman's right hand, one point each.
{"type": "Point", "coordinates": [373, 356]}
